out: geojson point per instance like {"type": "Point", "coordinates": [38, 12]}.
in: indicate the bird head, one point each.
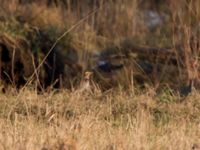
{"type": "Point", "coordinates": [88, 75]}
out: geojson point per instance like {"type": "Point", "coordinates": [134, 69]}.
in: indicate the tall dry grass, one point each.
{"type": "Point", "coordinates": [124, 117]}
{"type": "Point", "coordinates": [114, 120]}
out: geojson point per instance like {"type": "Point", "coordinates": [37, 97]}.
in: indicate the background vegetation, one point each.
{"type": "Point", "coordinates": [127, 109]}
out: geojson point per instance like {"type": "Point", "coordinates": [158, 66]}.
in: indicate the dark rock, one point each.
{"type": "Point", "coordinates": [106, 66]}
{"type": "Point", "coordinates": [146, 67]}
{"type": "Point", "coordinates": [186, 90]}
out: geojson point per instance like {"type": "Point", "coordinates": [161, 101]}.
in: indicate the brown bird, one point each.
{"type": "Point", "coordinates": [85, 85]}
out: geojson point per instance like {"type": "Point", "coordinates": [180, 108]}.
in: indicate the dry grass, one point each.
{"type": "Point", "coordinates": [123, 118]}
{"type": "Point", "coordinates": [114, 120]}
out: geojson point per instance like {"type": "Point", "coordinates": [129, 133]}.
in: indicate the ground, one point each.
{"type": "Point", "coordinates": [115, 119]}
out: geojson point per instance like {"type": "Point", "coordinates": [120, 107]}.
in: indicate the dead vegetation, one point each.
{"type": "Point", "coordinates": [22, 53]}
{"type": "Point", "coordinates": [153, 50]}
{"type": "Point", "coordinates": [118, 119]}
{"type": "Point", "coordinates": [151, 102]}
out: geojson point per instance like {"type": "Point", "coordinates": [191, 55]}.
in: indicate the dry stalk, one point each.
{"type": "Point", "coordinates": [13, 67]}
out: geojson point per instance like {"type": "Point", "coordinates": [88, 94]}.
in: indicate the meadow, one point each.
{"type": "Point", "coordinates": [128, 109]}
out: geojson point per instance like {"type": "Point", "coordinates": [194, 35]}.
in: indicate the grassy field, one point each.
{"type": "Point", "coordinates": [119, 119]}
{"type": "Point", "coordinates": [119, 115]}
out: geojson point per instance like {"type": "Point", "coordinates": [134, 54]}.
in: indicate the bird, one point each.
{"type": "Point", "coordinates": [85, 85]}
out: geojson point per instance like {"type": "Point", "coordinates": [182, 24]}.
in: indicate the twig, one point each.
{"type": "Point", "coordinates": [9, 78]}
{"type": "Point", "coordinates": [37, 76]}
{"type": "Point", "coordinates": [13, 67]}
